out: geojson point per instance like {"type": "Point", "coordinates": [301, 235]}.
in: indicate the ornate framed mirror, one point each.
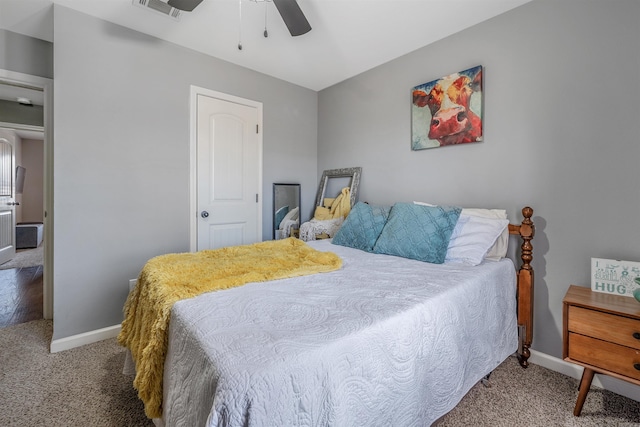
{"type": "Point", "coordinates": [286, 209]}
{"type": "Point", "coordinates": [333, 180]}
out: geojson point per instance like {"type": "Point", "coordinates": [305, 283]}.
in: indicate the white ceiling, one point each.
{"type": "Point", "coordinates": [348, 36]}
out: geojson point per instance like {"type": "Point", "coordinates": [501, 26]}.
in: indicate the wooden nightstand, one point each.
{"type": "Point", "coordinates": [602, 333]}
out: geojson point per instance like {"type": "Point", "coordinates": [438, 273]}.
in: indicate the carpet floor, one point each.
{"type": "Point", "coordinates": [26, 258]}
{"type": "Point", "coordinates": [85, 387]}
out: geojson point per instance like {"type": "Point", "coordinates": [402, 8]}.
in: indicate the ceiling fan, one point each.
{"type": "Point", "coordinates": [289, 11]}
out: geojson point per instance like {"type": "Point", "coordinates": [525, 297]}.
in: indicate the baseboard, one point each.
{"type": "Point", "coordinates": [88, 337]}
{"type": "Point", "coordinates": [614, 385]}
{"type": "Point", "coordinates": [85, 338]}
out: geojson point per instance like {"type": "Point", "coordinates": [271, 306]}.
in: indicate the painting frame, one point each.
{"type": "Point", "coordinates": [448, 110]}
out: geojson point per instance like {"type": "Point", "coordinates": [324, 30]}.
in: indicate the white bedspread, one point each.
{"type": "Point", "coordinates": [385, 341]}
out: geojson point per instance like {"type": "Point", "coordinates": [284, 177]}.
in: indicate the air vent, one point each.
{"type": "Point", "coordinates": [159, 6]}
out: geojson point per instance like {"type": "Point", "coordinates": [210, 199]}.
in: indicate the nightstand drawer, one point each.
{"type": "Point", "coordinates": [605, 326]}
{"type": "Point", "coordinates": [605, 355]}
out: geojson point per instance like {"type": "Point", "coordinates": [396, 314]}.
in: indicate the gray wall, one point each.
{"type": "Point", "coordinates": [24, 54]}
{"type": "Point", "coordinates": [562, 84]}
{"type": "Point", "coordinates": [121, 156]}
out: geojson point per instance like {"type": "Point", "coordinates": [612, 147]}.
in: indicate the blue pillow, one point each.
{"type": "Point", "coordinates": [280, 214]}
{"type": "Point", "coordinates": [362, 227]}
{"type": "Point", "coordinates": [418, 232]}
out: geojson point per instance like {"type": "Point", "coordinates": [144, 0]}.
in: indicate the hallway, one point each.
{"type": "Point", "coordinates": [20, 295]}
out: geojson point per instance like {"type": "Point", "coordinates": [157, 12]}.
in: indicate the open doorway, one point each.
{"type": "Point", "coordinates": [28, 275]}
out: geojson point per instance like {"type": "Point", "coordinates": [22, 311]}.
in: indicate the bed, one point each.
{"type": "Point", "coordinates": [384, 340]}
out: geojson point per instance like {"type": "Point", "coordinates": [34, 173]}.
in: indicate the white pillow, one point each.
{"type": "Point", "coordinates": [424, 204]}
{"type": "Point", "coordinates": [290, 216]}
{"type": "Point", "coordinates": [472, 238]}
{"type": "Point", "coordinates": [499, 248]}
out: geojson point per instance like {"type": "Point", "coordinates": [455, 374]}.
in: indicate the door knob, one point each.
{"type": "Point", "coordinates": [204, 214]}
{"type": "Point", "coordinates": [13, 203]}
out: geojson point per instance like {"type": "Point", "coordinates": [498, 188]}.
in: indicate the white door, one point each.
{"type": "Point", "coordinates": [7, 202]}
{"type": "Point", "coordinates": [228, 173]}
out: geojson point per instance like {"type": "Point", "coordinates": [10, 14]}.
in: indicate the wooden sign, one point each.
{"type": "Point", "coordinates": [614, 276]}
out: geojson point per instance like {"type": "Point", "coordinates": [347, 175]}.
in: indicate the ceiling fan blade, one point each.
{"type": "Point", "coordinates": [293, 17]}
{"type": "Point", "coordinates": [186, 5]}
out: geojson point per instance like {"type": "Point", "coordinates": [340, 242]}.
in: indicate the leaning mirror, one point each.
{"type": "Point", "coordinates": [286, 210]}
{"type": "Point", "coordinates": [333, 180]}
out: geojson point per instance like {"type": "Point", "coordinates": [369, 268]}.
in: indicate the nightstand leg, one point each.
{"type": "Point", "coordinates": [585, 384]}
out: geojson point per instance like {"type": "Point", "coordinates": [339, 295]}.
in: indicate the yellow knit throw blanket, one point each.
{"type": "Point", "coordinates": [338, 207]}
{"type": "Point", "coordinates": [167, 279]}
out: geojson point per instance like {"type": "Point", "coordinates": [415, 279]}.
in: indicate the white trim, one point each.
{"type": "Point", "coordinates": [193, 159]}
{"type": "Point", "coordinates": [18, 126]}
{"type": "Point", "coordinates": [47, 88]}
{"type": "Point", "coordinates": [193, 173]}
{"type": "Point", "coordinates": [85, 338]}
{"type": "Point", "coordinates": [14, 76]}
{"type": "Point", "coordinates": [614, 385]}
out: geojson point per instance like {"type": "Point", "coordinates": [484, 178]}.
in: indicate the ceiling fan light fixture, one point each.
{"type": "Point", "coordinates": [293, 17]}
{"type": "Point", "coordinates": [159, 6]}
{"type": "Point", "coordinates": [186, 5]}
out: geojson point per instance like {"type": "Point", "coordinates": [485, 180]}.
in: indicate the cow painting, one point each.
{"type": "Point", "coordinates": [448, 111]}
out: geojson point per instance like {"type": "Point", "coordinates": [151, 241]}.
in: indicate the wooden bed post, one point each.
{"type": "Point", "coordinates": [525, 286]}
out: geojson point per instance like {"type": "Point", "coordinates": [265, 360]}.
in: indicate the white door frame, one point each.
{"type": "Point", "coordinates": [47, 87]}
{"type": "Point", "coordinates": [193, 156]}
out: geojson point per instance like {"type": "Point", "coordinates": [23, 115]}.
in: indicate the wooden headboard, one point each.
{"type": "Point", "coordinates": [526, 230]}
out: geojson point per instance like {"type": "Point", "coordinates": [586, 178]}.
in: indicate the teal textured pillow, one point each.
{"type": "Point", "coordinates": [362, 227]}
{"type": "Point", "coordinates": [418, 232]}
